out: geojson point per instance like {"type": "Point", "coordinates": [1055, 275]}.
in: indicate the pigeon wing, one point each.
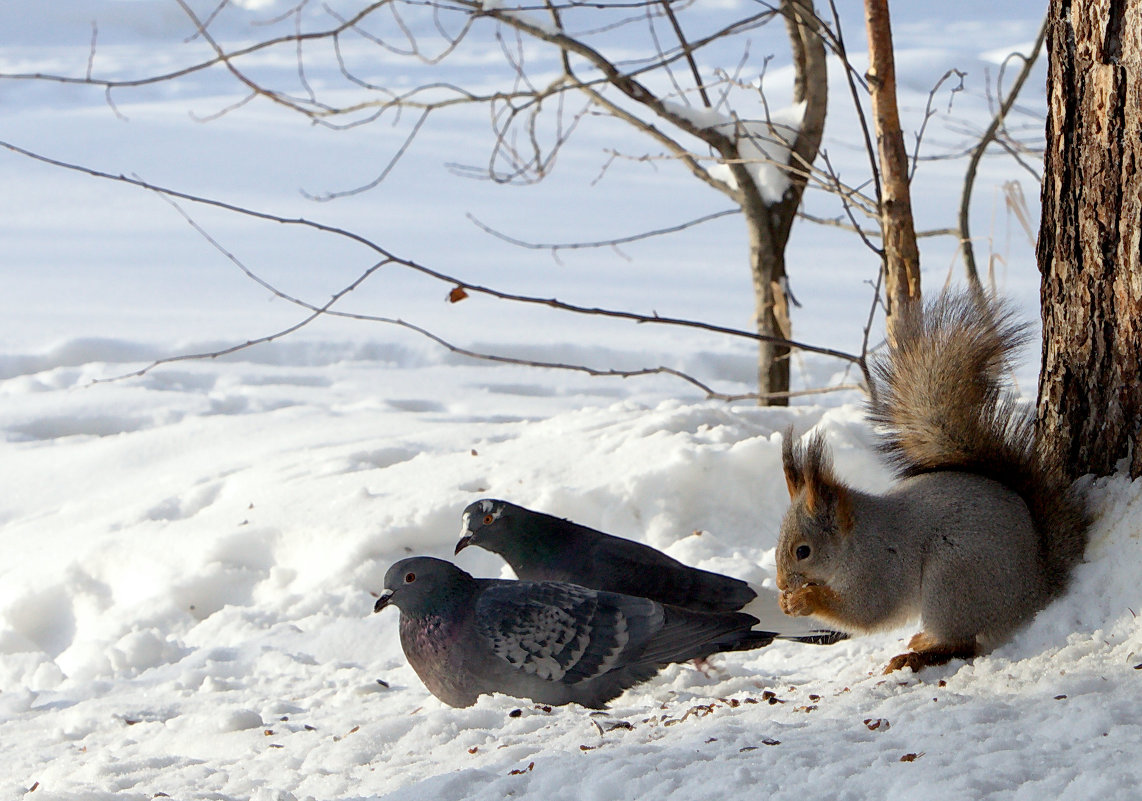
{"type": "Point", "coordinates": [626, 566]}
{"type": "Point", "coordinates": [563, 632]}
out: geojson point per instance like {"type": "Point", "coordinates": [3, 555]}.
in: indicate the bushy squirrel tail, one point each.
{"type": "Point", "coordinates": [941, 399]}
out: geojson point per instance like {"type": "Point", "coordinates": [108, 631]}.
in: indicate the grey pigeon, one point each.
{"type": "Point", "coordinates": [541, 547]}
{"type": "Point", "coordinates": [552, 642]}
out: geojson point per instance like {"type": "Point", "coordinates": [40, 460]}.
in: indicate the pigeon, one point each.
{"type": "Point", "coordinates": [552, 642]}
{"type": "Point", "coordinates": [540, 547]}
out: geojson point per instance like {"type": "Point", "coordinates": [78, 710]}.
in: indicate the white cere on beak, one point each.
{"type": "Point", "coordinates": [464, 530]}
{"type": "Point", "coordinates": [382, 601]}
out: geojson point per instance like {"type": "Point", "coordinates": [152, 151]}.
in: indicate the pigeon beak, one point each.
{"type": "Point", "coordinates": [382, 601]}
{"type": "Point", "coordinates": [465, 535]}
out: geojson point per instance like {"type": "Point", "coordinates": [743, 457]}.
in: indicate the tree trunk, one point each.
{"type": "Point", "coordinates": [769, 226]}
{"type": "Point", "coordinates": [901, 255]}
{"type": "Point", "coordinates": [767, 265]}
{"type": "Point", "coordinates": [1090, 387]}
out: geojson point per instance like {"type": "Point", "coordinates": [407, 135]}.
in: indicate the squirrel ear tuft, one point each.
{"type": "Point", "coordinates": [809, 469]}
{"type": "Point", "coordinates": [790, 460]}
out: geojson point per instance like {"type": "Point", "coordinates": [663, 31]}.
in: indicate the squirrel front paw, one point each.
{"type": "Point", "coordinates": [805, 600]}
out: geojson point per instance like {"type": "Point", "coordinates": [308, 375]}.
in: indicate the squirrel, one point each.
{"type": "Point", "coordinates": [979, 532]}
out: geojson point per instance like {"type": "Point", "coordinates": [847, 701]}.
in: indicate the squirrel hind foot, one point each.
{"type": "Point", "coordinates": [927, 652]}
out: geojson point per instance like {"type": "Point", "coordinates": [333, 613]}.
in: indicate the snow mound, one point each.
{"type": "Point", "coordinates": [185, 606]}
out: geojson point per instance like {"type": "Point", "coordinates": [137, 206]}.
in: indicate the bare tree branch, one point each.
{"type": "Point", "coordinates": [846, 202]}
{"type": "Point", "coordinates": [327, 310]}
{"type": "Point", "coordinates": [390, 258]}
{"type": "Point", "coordinates": [604, 243]}
{"type": "Point", "coordinates": [533, 116]}
{"type": "Point", "coordinates": [837, 222]}
{"type": "Point", "coordinates": [200, 66]}
{"type": "Point", "coordinates": [91, 53]}
{"type": "Point", "coordinates": [853, 80]}
{"type": "Point", "coordinates": [316, 312]}
{"type": "Point", "coordinates": [929, 112]}
{"type": "Point", "coordinates": [668, 9]}
{"type": "Point", "coordinates": [326, 196]}
{"type": "Point", "coordinates": [988, 137]}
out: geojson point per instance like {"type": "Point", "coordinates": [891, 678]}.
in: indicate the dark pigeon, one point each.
{"type": "Point", "coordinates": [552, 642]}
{"type": "Point", "coordinates": [540, 547]}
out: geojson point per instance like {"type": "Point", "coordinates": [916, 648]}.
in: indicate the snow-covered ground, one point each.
{"type": "Point", "coordinates": [190, 555]}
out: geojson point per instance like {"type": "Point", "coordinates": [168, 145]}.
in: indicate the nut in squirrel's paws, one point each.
{"type": "Point", "coordinates": [804, 600]}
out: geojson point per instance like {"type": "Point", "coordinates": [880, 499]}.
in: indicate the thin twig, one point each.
{"type": "Point", "coordinates": [604, 243]}
{"type": "Point", "coordinates": [328, 310]}
{"type": "Point", "coordinates": [837, 222]}
{"type": "Point", "coordinates": [669, 9]}
{"type": "Point", "coordinates": [863, 363]}
{"type": "Point", "coordinates": [91, 53]}
{"type": "Point", "coordinates": [317, 312]}
{"type": "Point", "coordinates": [424, 270]}
{"type": "Point", "coordinates": [327, 196]}
{"type": "Point", "coordinates": [929, 112]}
{"type": "Point", "coordinates": [852, 79]}
{"type": "Point", "coordinates": [848, 208]}
{"type": "Point", "coordinates": [988, 137]}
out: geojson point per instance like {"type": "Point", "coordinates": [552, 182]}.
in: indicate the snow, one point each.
{"type": "Point", "coordinates": [763, 144]}
{"type": "Point", "coordinates": [190, 555]}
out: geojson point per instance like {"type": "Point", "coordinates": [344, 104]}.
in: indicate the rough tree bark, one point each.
{"type": "Point", "coordinates": [769, 226]}
{"type": "Point", "coordinates": [901, 255]}
{"type": "Point", "coordinates": [1090, 390]}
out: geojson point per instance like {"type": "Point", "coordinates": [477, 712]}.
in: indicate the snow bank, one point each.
{"type": "Point", "coordinates": [185, 606]}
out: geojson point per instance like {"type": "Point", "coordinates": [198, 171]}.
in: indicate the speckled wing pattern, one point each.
{"type": "Point", "coordinates": [562, 632]}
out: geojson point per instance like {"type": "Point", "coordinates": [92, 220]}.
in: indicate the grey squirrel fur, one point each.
{"type": "Point", "coordinates": [978, 534]}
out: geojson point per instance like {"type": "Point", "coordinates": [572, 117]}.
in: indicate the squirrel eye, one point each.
{"type": "Point", "coordinates": [488, 520]}
{"type": "Point", "coordinates": [802, 552]}
{"type": "Point", "coordinates": [409, 578]}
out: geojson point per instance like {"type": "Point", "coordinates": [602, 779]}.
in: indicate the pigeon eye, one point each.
{"type": "Point", "coordinates": [409, 578]}
{"type": "Point", "coordinates": [488, 520]}
{"type": "Point", "coordinates": [802, 552]}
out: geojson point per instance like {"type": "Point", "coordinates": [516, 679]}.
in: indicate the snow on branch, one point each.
{"type": "Point", "coordinates": [763, 145]}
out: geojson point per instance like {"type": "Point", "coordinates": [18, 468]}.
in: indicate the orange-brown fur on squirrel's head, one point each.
{"type": "Point", "coordinates": [819, 518]}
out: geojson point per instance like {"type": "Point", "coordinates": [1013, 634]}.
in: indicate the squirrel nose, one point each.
{"type": "Point", "coordinates": [787, 581]}
{"type": "Point", "coordinates": [782, 579]}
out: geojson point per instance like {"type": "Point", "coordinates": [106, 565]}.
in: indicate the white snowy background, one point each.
{"type": "Point", "coordinates": [189, 556]}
